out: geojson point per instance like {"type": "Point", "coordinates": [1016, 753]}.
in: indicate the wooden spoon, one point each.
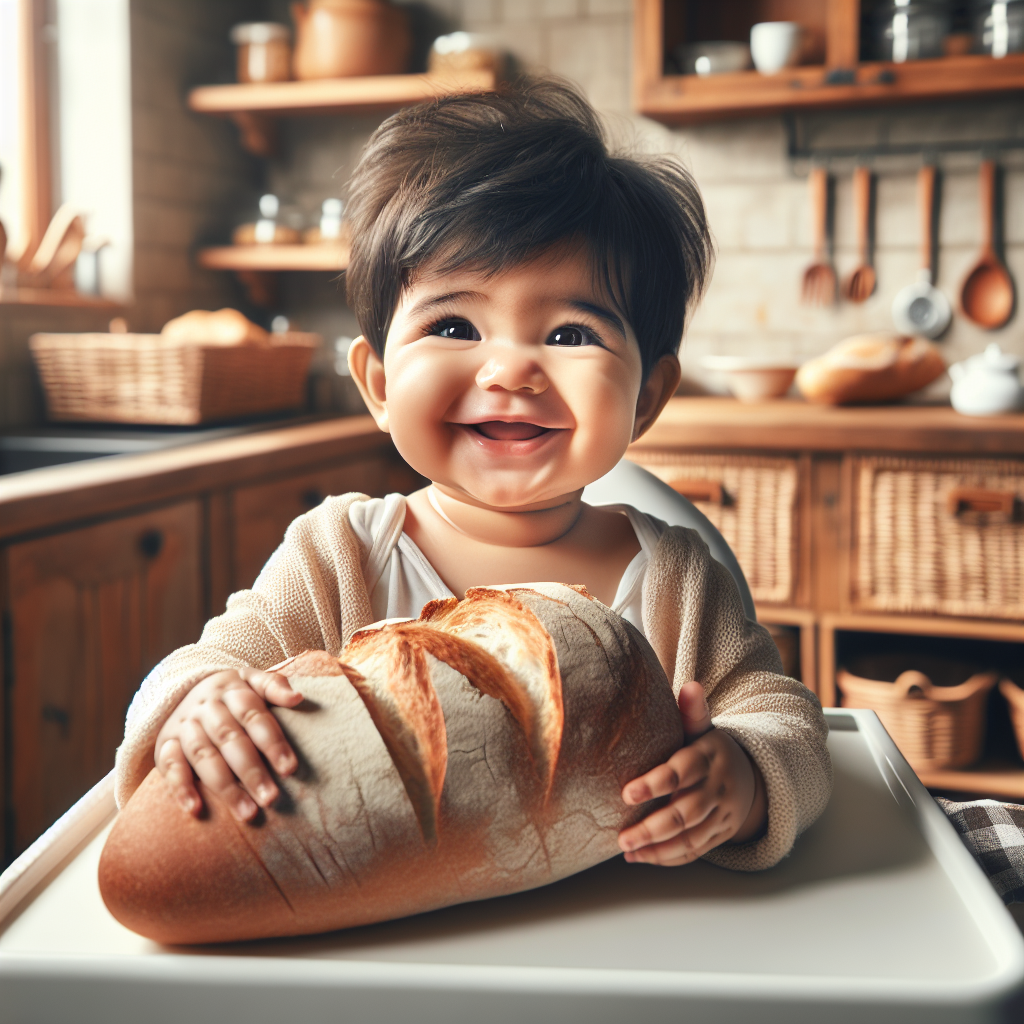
{"type": "Point", "coordinates": [820, 277]}
{"type": "Point", "coordinates": [987, 293]}
{"type": "Point", "coordinates": [861, 283]}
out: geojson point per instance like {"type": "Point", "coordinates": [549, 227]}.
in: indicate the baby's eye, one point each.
{"type": "Point", "coordinates": [573, 336]}
{"type": "Point", "coordinates": [456, 328]}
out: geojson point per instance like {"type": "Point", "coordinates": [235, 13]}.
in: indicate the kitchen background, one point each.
{"type": "Point", "coordinates": [191, 183]}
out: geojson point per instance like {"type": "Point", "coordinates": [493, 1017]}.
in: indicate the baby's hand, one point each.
{"type": "Point", "coordinates": [717, 794]}
{"type": "Point", "coordinates": [219, 730]}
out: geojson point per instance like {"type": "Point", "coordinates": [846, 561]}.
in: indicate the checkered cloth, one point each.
{"type": "Point", "coordinates": [994, 833]}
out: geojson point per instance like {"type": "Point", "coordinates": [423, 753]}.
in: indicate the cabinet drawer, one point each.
{"type": "Point", "coordinates": [264, 511]}
{"type": "Point", "coordinates": [942, 536]}
{"type": "Point", "coordinates": [752, 500]}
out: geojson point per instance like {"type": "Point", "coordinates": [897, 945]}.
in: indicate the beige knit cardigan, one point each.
{"type": "Point", "coordinates": [312, 595]}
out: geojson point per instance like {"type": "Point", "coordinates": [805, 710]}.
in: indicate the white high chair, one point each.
{"type": "Point", "coordinates": [633, 485]}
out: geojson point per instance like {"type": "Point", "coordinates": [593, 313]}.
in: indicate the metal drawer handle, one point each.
{"type": "Point", "coordinates": [701, 490]}
{"type": "Point", "coordinates": [976, 499]}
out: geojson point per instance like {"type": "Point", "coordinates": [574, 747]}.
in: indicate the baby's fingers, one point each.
{"type": "Point", "coordinates": [273, 687]}
{"type": "Point", "coordinates": [213, 770]}
{"type": "Point", "coordinates": [173, 766]}
{"type": "Point", "coordinates": [684, 848]}
{"type": "Point", "coordinates": [684, 813]}
{"type": "Point", "coordinates": [684, 768]}
{"type": "Point", "coordinates": [262, 728]}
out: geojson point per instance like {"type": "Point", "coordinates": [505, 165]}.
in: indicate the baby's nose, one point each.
{"type": "Point", "coordinates": [512, 372]}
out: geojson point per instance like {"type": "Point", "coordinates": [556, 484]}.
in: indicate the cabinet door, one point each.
{"type": "Point", "coordinates": [92, 611]}
{"type": "Point", "coordinates": [262, 513]}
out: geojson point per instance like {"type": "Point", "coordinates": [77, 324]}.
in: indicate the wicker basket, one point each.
{"type": "Point", "coordinates": [1015, 698]}
{"type": "Point", "coordinates": [935, 727]}
{"type": "Point", "coordinates": [144, 378]}
{"type": "Point", "coordinates": [940, 536]}
{"type": "Point", "coordinates": [752, 501]}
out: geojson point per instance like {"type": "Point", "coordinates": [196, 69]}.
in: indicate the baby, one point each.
{"type": "Point", "coordinates": [522, 296]}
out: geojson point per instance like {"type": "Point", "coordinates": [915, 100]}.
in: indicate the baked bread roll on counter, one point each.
{"type": "Point", "coordinates": [870, 368]}
{"type": "Point", "coordinates": [476, 751]}
{"type": "Point", "coordinates": [221, 327]}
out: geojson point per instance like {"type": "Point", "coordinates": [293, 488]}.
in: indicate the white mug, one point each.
{"type": "Point", "coordinates": [774, 45]}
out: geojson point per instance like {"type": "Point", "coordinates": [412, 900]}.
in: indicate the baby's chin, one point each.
{"type": "Point", "coordinates": [510, 495]}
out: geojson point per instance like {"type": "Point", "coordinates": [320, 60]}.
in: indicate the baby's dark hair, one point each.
{"type": "Point", "coordinates": [491, 180]}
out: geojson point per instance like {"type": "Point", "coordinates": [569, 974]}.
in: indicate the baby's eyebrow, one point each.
{"type": "Point", "coordinates": [600, 312]}
{"type": "Point", "coordinates": [433, 302]}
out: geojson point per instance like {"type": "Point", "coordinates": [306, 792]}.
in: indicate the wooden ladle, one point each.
{"type": "Point", "coordinates": [820, 277]}
{"type": "Point", "coordinates": [861, 283]}
{"type": "Point", "coordinates": [987, 293]}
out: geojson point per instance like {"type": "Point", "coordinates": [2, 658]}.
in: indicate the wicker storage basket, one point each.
{"type": "Point", "coordinates": [940, 536]}
{"type": "Point", "coordinates": [752, 501]}
{"type": "Point", "coordinates": [1015, 698]}
{"type": "Point", "coordinates": [934, 726]}
{"type": "Point", "coordinates": [144, 378]}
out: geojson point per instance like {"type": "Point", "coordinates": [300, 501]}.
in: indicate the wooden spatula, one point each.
{"type": "Point", "coordinates": [820, 277]}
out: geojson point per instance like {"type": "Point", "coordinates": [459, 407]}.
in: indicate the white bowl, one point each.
{"type": "Point", "coordinates": [752, 380]}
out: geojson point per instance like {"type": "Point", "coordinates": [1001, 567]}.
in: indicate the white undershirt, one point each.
{"type": "Point", "coordinates": [401, 580]}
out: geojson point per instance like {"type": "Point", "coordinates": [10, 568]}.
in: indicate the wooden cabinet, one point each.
{"type": "Point", "coordinates": [90, 612]}
{"type": "Point", "coordinates": [261, 513]}
{"type": "Point", "coordinates": [105, 567]}
{"type": "Point", "coordinates": [833, 77]}
{"type": "Point", "coordinates": [895, 529]}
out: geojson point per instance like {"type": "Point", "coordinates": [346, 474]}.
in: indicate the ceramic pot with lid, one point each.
{"type": "Point", "coordinates": [987, 384]}
{"type": "Point", "coordinates": [343, 38]}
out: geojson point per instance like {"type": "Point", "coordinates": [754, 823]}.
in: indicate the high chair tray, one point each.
{"type": "Point", "coordinates": [880, 914]}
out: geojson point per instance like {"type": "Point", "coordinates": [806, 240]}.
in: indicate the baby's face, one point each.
{"type": "Point", "coordinates": [514, 390]}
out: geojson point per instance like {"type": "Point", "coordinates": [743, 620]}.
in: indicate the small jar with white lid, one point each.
{"type": "Point", "coordinates": [264, 51]}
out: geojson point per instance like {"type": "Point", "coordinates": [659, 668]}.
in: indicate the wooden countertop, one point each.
{"type": "Point", "coordinates": [43, 498]}
{"type": "Point", "coordinates": [793, 425]}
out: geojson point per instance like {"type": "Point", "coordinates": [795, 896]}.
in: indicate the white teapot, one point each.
{"type": "Point", "coordinates": [987, 384]}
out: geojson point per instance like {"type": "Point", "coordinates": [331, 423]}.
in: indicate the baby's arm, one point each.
{"type": "Point", "coordinates": [695, 622]}
{"type": "Point", "coordinates": [311, 582]}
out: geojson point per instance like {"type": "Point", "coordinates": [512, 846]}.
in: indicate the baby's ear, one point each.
{"type": "Point", "coordinates": [655, 392]}
{"type": "Point", "coordinates": [367, 371]}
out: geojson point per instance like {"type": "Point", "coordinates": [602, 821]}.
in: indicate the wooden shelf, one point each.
{"type": "Point", "coordinates": [331, 258]}
{"type": "Point", "coordinates": [253, 107]}
{"type": "Point", "coordinates": [64, 297]}
{"type": "Point", "coordinates": [839, 82]}
{"type": "Point", "coordinates": [335, 95]}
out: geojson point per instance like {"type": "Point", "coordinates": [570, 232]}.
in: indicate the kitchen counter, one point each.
{"type": "Point", "coordinates": [724, 423]}
{"type": "Point", "coordinates": [87, 489]}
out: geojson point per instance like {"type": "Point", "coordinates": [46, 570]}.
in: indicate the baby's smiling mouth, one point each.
{"type": "Point", "coordinates": [500, 430]}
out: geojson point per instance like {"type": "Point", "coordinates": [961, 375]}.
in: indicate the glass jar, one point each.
{"type": "Point", "coordinates": [264, 54]}
{"type": "Point", "coordinates": [911, 29]}
{"type": "Point", "coordinates": [999, 27]}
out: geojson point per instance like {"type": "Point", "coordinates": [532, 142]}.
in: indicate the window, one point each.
{"type": "Point", "coordinates": [65, 130]}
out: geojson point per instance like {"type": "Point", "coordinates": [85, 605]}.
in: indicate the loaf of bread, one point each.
{"type": "Point", "coordinates": [476, 751]}
{"type": "Point", "coordinates": [870, 368]}
{"type": "Point", "coordinates": [222, 327]}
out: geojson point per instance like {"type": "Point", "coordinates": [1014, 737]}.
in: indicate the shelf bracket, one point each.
{"type": "Point", "coordinates": [258, 133]}
{"type": "Point", "coordinates": [260, 285]}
